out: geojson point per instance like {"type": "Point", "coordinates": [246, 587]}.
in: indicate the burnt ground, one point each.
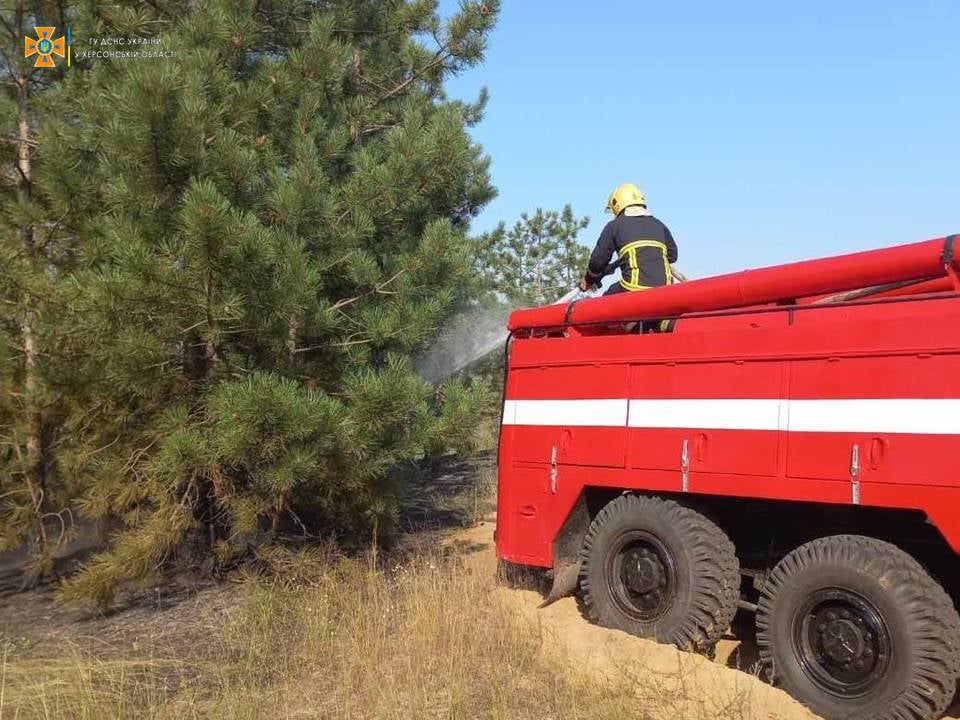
{"type": "Point", "coordinates": [170, 618]}
{"type": "Point", "coordinates": [188, 607]}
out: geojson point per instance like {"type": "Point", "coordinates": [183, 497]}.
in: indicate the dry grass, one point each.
{"type": "Point", "coordinates": [333, 637]}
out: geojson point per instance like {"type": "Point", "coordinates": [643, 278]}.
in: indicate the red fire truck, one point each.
{"type": "Point", "coordinates": [788, 443]}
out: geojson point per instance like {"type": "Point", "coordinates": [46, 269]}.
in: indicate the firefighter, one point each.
{"type": "Point", "coordinates": [644, 246]}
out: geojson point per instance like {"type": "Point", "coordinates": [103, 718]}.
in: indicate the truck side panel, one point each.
{"type": "Point", "coordinates": [832, 405]}
{"type": "Point", "coordinates": [554, 416]}
{"type": "Point", "coordinates": [891, 408]}
{"type": "Point", "coordinates": [708, 405]}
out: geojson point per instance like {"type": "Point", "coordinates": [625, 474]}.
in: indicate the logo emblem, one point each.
{"type": "Point", "coordinates": [44, 47]}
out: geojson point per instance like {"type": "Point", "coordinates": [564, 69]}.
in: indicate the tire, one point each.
{"type": "Point", "coordinates": [854, 628]}
{"type": "Point", "coordinates": [658, 570]}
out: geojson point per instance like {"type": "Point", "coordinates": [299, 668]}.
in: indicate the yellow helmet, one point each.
{"type": "Point", "coordinates": [624, 196]}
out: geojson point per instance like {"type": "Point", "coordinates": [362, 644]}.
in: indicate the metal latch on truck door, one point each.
{"type": "Point", "coordinates": [685, 466]}
{"type": "Point", "coordinates": [553, 470]}
{"type": "Point", "coordinates": [855, 475]}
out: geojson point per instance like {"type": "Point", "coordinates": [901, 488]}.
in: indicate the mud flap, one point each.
{"type": "Point", "coordinates": [565, 575]}
{"type": "Point", "coordinates": [566, 552]}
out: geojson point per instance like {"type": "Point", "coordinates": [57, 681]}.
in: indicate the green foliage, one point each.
{"type": "Point", "coordinates": [537, 260]}
{"type": "Point", "coordinates": [243, 246]}
{"type": "Point", "coordinates": [468, 411]}
{"type": "Point", "coordinates": [36, 246]}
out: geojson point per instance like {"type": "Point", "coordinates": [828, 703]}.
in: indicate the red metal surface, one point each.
{"type": "Point", "coordinates": [916, 261]}
{"type": "Point", "coordinates": [785, 394]}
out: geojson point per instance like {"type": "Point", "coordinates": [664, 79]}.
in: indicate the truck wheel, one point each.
{"type": "Point", "coordinates": [855, 628]}
{"type": "Point", "coordinates": [658, 570]}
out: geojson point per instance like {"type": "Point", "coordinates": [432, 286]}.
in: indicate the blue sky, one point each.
{"type": "Point", "coordinates": [761, 132]}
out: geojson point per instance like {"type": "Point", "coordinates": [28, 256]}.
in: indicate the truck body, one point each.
{"type": "Point", "coordinates": [787, 405]}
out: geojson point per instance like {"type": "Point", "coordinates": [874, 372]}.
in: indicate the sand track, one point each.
{"type": "Point", "coordinates": [681, 685]}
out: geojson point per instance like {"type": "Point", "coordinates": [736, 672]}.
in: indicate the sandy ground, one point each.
{"type": "Point", "coordinates": [715, 688]}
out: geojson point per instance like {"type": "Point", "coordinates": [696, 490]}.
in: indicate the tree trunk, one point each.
{"type": "Point", "coordinates": [35, 468]}
{"type": "Point", "coordinates": [538, 283]}
{"type": "Point", "coordinates": [293, 329]}
{"type": "Point", "coordinates": [210, 348]}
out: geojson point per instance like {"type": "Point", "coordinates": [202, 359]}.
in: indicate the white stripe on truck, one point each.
{"type": "Point", "coordinates": [918, 416]}
{"type": "Point", "coordinates": [939, 416]}
{"type": "Point", "coordinates": [588, 413]}
{"type": "Point", "coordinates": [706, 414]}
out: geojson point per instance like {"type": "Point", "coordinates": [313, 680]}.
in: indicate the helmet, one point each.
{"type": "Point", "coordinates": [624, 196]}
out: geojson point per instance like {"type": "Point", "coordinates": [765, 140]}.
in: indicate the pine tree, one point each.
{"type": "Point", "coordinates": [268, 226]}
{"type": "Point", "coordinates": [37, 244]}
{"type": "Point", "coordinates": [536, 260]}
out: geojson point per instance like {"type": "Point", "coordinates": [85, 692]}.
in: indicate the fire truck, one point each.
{"type": "Point", "coordinates": [786, 443]}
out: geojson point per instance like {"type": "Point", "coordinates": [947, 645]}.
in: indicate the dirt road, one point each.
{"type": "Point", "coordinates": [697, 686]}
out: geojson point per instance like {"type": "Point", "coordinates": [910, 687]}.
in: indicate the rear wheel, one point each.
{"type": "Point", "coordinates": [855, 628]}
{"type": "Point", "coordinates": [656, 569]}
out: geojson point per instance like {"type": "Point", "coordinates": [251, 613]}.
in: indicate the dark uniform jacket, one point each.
{"type": "Point", "coordinates": [645, 249]}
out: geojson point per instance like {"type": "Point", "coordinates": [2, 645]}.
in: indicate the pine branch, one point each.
{"type": "Point", "coordinates": [378, 289]}
{"type": "Point", "coordinates": [438, 58]}
{"type": "Point", "coordinates": [11, 31]}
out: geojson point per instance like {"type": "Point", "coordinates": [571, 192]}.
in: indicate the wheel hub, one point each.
{"type": "Point", "coordinates": [642, 571]}
{"type": "Point", "coordinates": [641, 575]}
{"type": "Point", "coordinates": [843, 642]}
